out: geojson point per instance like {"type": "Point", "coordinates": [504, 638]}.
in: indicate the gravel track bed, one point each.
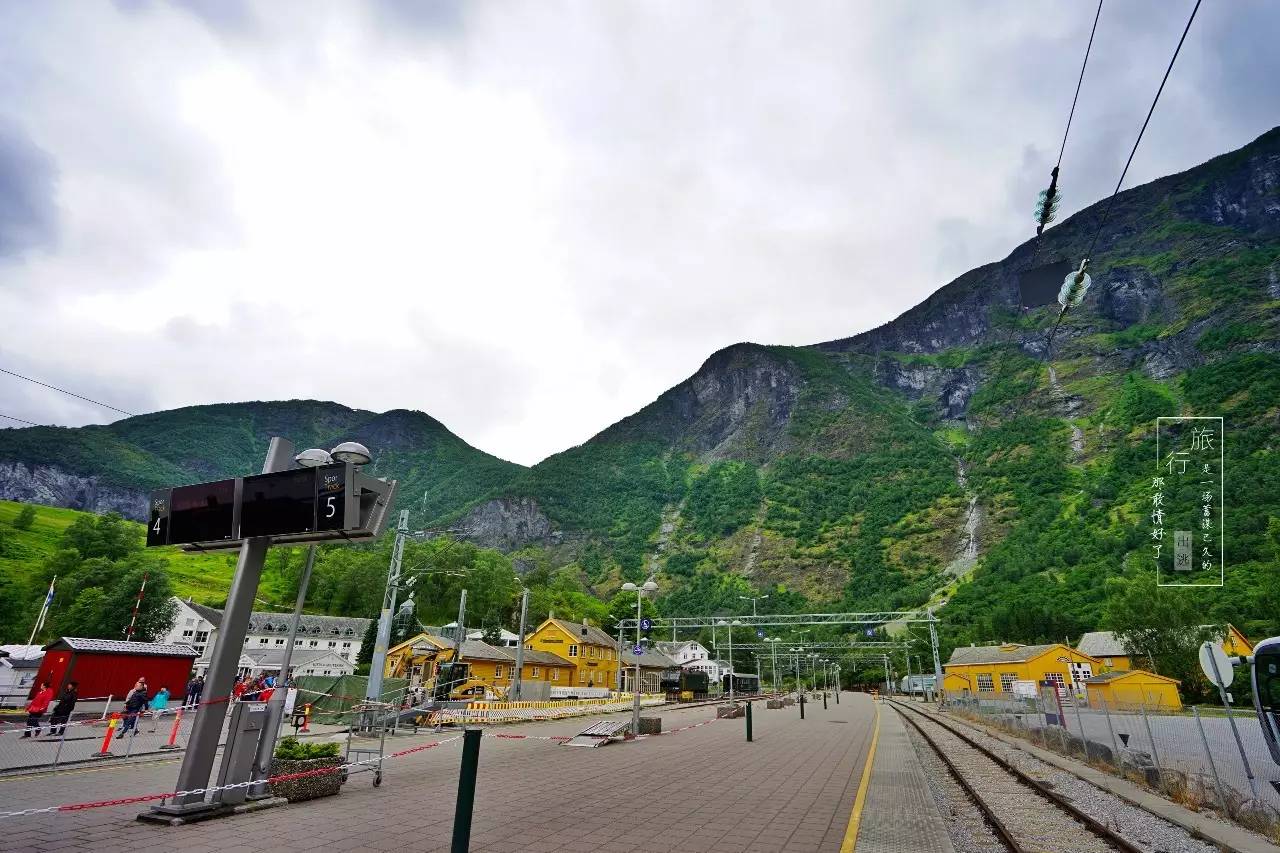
{"type": "Point", "coordinates": [969, 830]}
{"type": "Point", "coordinates": [1036, 823]}
{"type": "Point", "coordinates": [1138, 826]}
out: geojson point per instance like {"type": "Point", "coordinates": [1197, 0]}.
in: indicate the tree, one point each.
{"type": "Point", "coordinates": [107, 536]}
{"type": "Point", "coordinates": [1160, 627]}
{"type": "Point", "coordinates": [25, 517]}
{"type": "Point", "coordinates": [367, 643]}
{"type": "Point", "coordinates": [84, 618]}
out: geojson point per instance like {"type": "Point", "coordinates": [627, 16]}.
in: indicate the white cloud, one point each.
{"type": "Point", "coordinates": [529, 219]}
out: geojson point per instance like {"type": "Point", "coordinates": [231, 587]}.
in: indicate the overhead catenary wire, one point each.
{"type": "Point", "coordinates": [1080, 276]}
{"type": "Point", "coordinates": [64, 391]}
{"type": "Point", "coordinates": [19, 420]}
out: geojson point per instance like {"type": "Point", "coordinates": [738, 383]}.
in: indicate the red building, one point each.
{"type": "Point", "coordinates": [104, 668]}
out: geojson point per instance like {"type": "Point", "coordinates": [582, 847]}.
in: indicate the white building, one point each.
{"type": "Point", "coordinates": [255, 662]}
{"type": "Point", "coordinates": [18, 667]}
{"type": "Point", "coordinates": [507, 639]}
{"type": "Point", "coordinates": [694, 657]}
{"type": "Point", "coordinates": [197, 626]}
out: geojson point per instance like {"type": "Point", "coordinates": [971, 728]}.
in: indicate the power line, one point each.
{"type": "Point", "coordinates": [19, 420]}
{"type": "Point", "coordinates": [1111, 202]}
{"type": "Point", "coordinates": [68, 393]}
{"type": "Point", "coordinates": [1076, 97]}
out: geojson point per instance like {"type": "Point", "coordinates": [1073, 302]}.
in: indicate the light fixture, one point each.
{"type": "Point", "coordinates": [313, 458]}
{"type": "Point", "coordinates": [629, 587]}
{"type": "Point", "coordinates": [353, 452]}
{"type": "Point", "coordinates": [650, 586]}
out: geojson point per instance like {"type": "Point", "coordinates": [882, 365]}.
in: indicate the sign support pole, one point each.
{"type": "Point", "coordinates": [197, 761]}
{"type": "Point", "coordinates": [373, 689]}
{"type": "Point", "coordinates": [524, 613]}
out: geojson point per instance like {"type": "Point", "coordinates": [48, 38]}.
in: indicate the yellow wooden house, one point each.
{"type": "Point", "coordinates": [977, 670]}
{"type": "Point", "coordinates": [1106, 646]}
{"type": "Point", "coordinates": [1128, 690]}
{"type": "Point", "coordinates": [416, 658]}
{"type": "Point", "coordinates": [592, 652]}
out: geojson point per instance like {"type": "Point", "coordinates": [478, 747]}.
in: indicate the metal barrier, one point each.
{"type": "Point", "coordinates": [1190, 754]}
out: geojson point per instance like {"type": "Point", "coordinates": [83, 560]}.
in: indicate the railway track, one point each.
{"type": "Point", "coordinates": [1026, 815]}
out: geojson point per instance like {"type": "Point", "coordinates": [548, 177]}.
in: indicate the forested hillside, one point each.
{"type": "Point", "coordinates": [949, 457]}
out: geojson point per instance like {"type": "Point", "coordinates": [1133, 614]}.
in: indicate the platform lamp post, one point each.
{"type": "Point", "coordinates": [773, 642]}
{"type": "Point", "coordinates": [649, 586]}
{"type": "Point", "coordinates": [798, 651]}
{"type": "Point", "coordinates": [730, 625]}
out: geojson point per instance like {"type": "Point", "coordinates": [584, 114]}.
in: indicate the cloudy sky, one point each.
{"type": "Point", "coordinates": [530, 218]}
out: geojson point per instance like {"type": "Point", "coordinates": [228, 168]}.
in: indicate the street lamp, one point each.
{"type": "Point", "coordinates": [753, 600]}
{"type": "Point", "coordinates": [773, 642]}
{"type": "Point", "coordinates": [730, 626]}
{"type": "Point", "coordinates": [649, 586]}
{"type": "Point", "coordinates": [798, 651]}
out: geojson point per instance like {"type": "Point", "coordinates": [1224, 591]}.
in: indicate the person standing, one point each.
{"type": "Point", "coordinates": [190, 698]}
{"type": "Point", "coordinates": [134, 704]}
{"type": "Point", "coordinates": [62, 711]}
{"type": "Point", "coordinates": [159, 704]}
{"type": "Point", "coordinates": [199, 691]}
{"type": "Point", "coordinates": [36, 708]}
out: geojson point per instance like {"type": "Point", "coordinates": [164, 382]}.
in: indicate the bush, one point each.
{"type": "Point", "coordinates": [292, 749]}
{"type": "Point", "coordinates": [25, 517]}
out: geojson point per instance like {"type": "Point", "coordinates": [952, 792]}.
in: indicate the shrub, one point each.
{"type": "Point", "coordinates": [292, 749]}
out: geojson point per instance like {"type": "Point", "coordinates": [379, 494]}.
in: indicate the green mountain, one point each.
{"type": "Point", "coordinates": [947, 457]}
{"type": "Point", "coordinates": [112, 467]}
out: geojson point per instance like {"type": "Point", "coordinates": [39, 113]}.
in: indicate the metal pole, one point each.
{"type": "Point", "coordinates": [1208, 754]}
{"type": "Point", "coordinates": [202, 746]}
{"type": "Point", "coordinates": [1115, 747]}
{"type": "Point", "coordinates": [466, 800]}
{"type": "Point", "coordinates": [910, 690]}
{"type": "Point", "coordinates": [748, 721]}
{"type": "Point", "coordinates": [731, 664]}
{"type": "Point", "coordinates": [937, 661]}
{"type": "Point", "coordinates": [524, 612]}
{"type": "Point", "coordinates": [1222, 692]}
{"type": "Point", "coordinates": [1155, 753]}
{"type": "Point", "coordinates": [373, 689]}
{"type": "Point", "coordinates": [275, 708]}
{"type": "Point", "coordinates": [635, 687]}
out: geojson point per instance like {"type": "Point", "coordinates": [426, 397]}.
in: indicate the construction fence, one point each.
{"type": "Point", "coordinates": [1197, 756]}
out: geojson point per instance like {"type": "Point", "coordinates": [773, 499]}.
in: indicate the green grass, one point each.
{"type": "Point", "coordinates": [204, 577]}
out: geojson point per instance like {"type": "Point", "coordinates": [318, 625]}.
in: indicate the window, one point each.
{"type": "Point", "coordinates": [297, 643]}
{"type": "Point", "coordinates": [279, 641]}
{"type": "Point", "coordinates": [1006, 681]}
{"type": "Point", "coordinates": [1056, 679]}
{"type": "Point", "coordinates": [497, 671]}
{"type": "Point", "coordinates": [326, 672]}
{"type": "Point", "coordinates": [582, 676]}
{"type": "Point", "coordinates": [333, 644]}
{"type": "Point", "coordinates": [573, 651]}
{"type": "Point", "coordinates": [188, 633]}
{"type": "Point", "coordinates": [555, 675]}
{"type": "Point", "coordinates": [985, 682]}
{"type": "Point", "coordinates": [262, 641]}
{"type": "Point", "coordinates": [591, 651]}
{"type": "Point", "coordinates": [202, 636]}
{"type": "Point", "coordinates": [346, 645]}
{"type": "Point", "coordinates": [533, 672]}
{"type": "Point", "coordinates": [313, 643]}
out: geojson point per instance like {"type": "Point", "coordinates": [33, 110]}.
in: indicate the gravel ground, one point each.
{"type": "Point", "coordinates": [1137, 825]}
{"type": "Point", "coordinates": [968, 829]}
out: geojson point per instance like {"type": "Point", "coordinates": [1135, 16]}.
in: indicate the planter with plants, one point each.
{"type": "Point", "coordinates": [294, 756]}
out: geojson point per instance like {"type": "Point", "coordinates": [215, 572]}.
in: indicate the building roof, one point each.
{"type": "Point", "coordinates": [541, 658]}
{"type": "Point", "coordinates": [479, 650]}
{"type": "Point", "coordinates": [1116, 675]}
{"type": "Point", "coordinates": [21, 663]}
{"type": "Point", "coordinates": [649, 660]}
{"type": "Point", "coordinates": [267, 658]}
{"type": "Point", "coordinates": [422, 642]}
{"type": "Point", "coordinates": [1101, 644]}
{"type": "Point", "coordinates": [589, 634]}
{"type": "Point", "coordinates": [1008, 653]}
{"type": "Point", "coordinates": [309, 624]}
{"type": "Point", "coordinates": [122, 647]}
{"type": "Point", "coordinates": [21, 650]}
{"type": "Point", "coordinates": [669, 648]}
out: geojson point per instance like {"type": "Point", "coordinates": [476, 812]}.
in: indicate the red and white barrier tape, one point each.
{"type": "Point", "coordinates": [286, 777]}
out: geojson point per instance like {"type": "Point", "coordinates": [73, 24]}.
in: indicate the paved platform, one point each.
{"type": "Point", "coordinates": [900, 815]}
{"type": "Point", "coordinates": [701, 790]}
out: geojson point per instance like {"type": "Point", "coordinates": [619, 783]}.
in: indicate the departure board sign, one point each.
{"type": "Point", "coordinates": [319, 504]}
{"type": "Point", "coordinates": [278, 503]}
{"type": "Point", "coordinates": [204, 512]}
{"type": "Point", "coordinates": [158, 521]}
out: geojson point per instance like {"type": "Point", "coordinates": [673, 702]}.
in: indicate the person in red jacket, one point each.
{"type": "Point", "coordinates": [36, 709]}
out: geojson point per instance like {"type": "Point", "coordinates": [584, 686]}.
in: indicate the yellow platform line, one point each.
{"type": "Point", "coordinates": [855, 818]}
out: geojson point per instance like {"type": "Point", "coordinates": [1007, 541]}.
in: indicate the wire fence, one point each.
{"type": "Point", "coordinates": [1194, 755]}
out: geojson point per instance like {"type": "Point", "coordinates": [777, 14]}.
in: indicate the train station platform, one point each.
{"type": "Point", "coordinates": [898, 813]}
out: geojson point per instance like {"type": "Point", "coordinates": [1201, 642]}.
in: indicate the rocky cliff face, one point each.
{"type": "Point", "coordinates": [51, 486]}
{"type": "Point", "coordinates": [507, 524]}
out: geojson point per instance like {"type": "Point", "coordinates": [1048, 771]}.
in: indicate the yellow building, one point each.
{"type": "Point", "coordinates": [416, 658]}
{"type": "Point", "coordinates": [592, 652]}
{"type": "Point", "coordinates": [995, 669]}
{"type": "Point", "coordinates": [1135, 688]}
{"type": "Point", "coordinates": [496, 666]}
{"type": "Point", "coordinates": [1106, 647]}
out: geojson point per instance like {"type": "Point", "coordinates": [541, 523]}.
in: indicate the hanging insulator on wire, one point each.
{"type": "Point", "coordinates": [1074, 287]}
{"type": "Point", "coordinates": [1047, 204]}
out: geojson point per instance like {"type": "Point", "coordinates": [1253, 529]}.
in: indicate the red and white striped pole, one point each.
{"type": "Point", "coordinates": [128, 633]}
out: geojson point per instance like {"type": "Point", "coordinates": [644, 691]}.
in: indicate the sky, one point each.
{"type": "Point", "coordinates": [529, 219]}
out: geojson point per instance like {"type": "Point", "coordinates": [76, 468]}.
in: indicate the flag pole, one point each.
{"type": "Point", "coordinates": [128, 632]}
{"type": "Point", "coordinates": [44, 611]}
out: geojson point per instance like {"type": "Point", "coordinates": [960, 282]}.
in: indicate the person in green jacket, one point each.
{"type": "Point", "coordinates": [158, 705]}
